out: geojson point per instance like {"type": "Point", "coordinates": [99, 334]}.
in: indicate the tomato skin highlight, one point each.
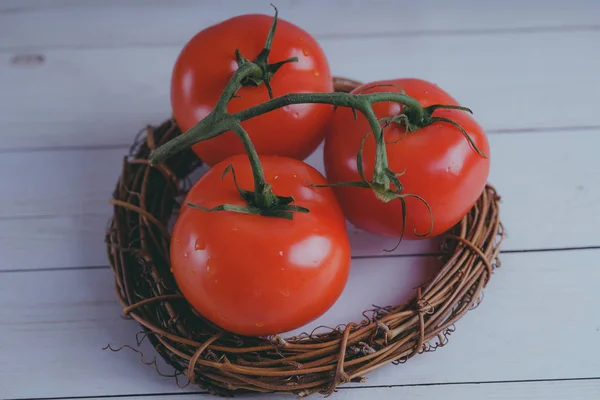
{"type": "Point", "coordinates": [439, 163]}
{"type": "Point", "coordinates": [207, 62]}
{"type": "Point", "coordinates": [255, 275]}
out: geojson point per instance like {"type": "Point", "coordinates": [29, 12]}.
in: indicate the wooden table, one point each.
{"type": "Point", "coordinates": [78, 80]}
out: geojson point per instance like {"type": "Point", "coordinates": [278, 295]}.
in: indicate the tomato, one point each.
{"type": "Point", "coordinates": [257, 275]}
{"type": "Point", "coordinates": [439, 163]}
{"type": "Point", "coordinates": [207, 62]}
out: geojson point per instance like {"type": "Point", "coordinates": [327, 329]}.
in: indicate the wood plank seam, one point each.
{"type": "Point", "coordinates": [125, 147]}
{"type": "Point", "coordinates": [361, 387]}
{"type": "Point", "coordinates": [338, 37]}
{"type": "Point", "coordinates": [366, 257]}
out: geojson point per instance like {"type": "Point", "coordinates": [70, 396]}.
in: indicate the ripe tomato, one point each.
{"type": "Point", "coordinates": [441, 166]}
{"type": "Point", "coordinates": [257, 275]}
{"type": "Point", "coordinates": [207, 62]}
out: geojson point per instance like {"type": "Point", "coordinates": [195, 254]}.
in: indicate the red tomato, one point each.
{"type": "Point", "coordinates": [441, 166]}
{"type": "Point", "coordinates": [256, 275]}
{"type": "Point", "coordinates": [208, 61]}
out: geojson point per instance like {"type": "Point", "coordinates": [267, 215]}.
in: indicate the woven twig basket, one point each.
{"type": "Point", "coordinates": [146, 198]}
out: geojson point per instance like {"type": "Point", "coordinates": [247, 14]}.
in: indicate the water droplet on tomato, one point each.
{"type": "Point", "coordinates": [305, 52]}
{"type": "Point", "coordinates": [285, 292]}
{"type": "Point", "coordinates": [316, 73]}
{"type": "Point", "coordinates": [276, 177]}
{"type": "Point", "coordinates": [447, 169]}
{"type": "Point", "coordinates": [171, 270]}
{"type": "Point", "coordinates": [211, 270]}
{"type": "Point", "coordinates": [281, 254]}
{"type": "Point", "coordinates": [185, 255]}
{"type": "Point", "coordinates": [296, 115]}
{"type": "Point", "coordinates": [260, 324]}
{"type": "Point", "coordinates": [200, 244]}
{"type": "Point", "coordinates": [233, 66]}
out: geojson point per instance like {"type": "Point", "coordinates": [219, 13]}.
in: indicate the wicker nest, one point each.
{"type": "Point", "coordinates": [146, 199]}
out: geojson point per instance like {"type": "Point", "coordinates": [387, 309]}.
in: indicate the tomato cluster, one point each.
{"type": "Point", "coordinates": [248, 269]}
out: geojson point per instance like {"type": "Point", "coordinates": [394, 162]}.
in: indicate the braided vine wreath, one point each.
{"type": "Point", "coordinates": [145, 200]}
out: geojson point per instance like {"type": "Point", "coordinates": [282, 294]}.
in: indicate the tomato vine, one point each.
{"type": "Point", "coordinates": [385, 183]}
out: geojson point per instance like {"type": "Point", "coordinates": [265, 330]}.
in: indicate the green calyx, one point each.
{"type": "Point", "coordinates": [265, 203]}
{"type": "Point", "coordinates": [266, 72]}
{"type": "Point", "coordinates": [412, 124]}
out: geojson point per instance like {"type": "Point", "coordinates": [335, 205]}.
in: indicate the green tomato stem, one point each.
{"type": "Point", "coordinates": [220, 121]}
{"type": "Point", "coordinates": [264, 197]}
{"type": "Point", "coordinates": [360, 102]}
{"type": "Point", "coordinates": [244, 71]}
{"type": "Point", "coordinates": [381, 162]}
{"type": "Point", "coordinates": [356, 101]}
{"type": "Point", "coordinates": [210, 126]}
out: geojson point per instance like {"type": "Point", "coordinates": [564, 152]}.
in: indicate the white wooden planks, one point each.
{"type": "Point", "coordinates": [55, 323]}
{"type": "Point", "coordinates": [43, 242]}
{"type": "Point", "coordinates": [118, 23]}
{"type": "Point", "coordinates": [57, 201]}
{"type": "Point", "coordinates": [79, 97]}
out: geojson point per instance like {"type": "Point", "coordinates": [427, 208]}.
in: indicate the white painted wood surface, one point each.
{"type": "Point", "coordinates": [78, 79]}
